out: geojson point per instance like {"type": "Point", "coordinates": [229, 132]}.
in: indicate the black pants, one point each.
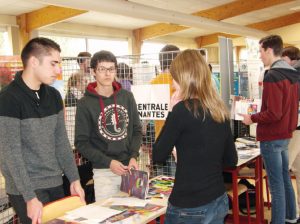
{"type": "Point", "coordinates": [44, 195]}
{"type": "Point", "coordinates": [86, 173]}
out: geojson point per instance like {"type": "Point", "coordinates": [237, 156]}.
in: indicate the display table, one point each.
{"type": "Point", "coordinates": [151, 216]}
{"type": "Point", "coordinates": [148, 217]}
{"type": "Point", "coordinates": [246, 158]}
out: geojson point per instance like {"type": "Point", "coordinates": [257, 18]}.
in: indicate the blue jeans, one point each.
{"type": "Point", "coordinates": [276, 161]}
{"type": "Point", "coordinates": [213, 212]}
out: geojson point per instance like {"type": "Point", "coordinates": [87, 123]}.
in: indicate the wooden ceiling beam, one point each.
{"type": "Point", "coordinates": [49, 15]}
{"type": "Point", "coordinates": [217, 13]}
{"type": "Point", "coordinates": [213, 38]}
{"type": "Point", "coordinates": [277, 22]}
{"type": "Point", "coordinates": [264, 25]}
{"type": "Point", "coordinates": [236, 8]}
{"type": "Point", "coordinates": [43, 17]}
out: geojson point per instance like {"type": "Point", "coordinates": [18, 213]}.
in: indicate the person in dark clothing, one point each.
{"type": "Point", "coordinates": [108, 131]}
{"type": "Point", "coordinates": [84, 62]}
{"type": "Point", "coordinates": [198, 126]}
{"type": "Point", "coordinates": [34, 147]}
{"type": "Point", "coordinates": [292, 56]}
{"type": "Point", "coordinates": [275, 124]}
{"type": "Point", "coordinates": [124, 74]}
{"type": "Point", "coordinates": [203, 53]}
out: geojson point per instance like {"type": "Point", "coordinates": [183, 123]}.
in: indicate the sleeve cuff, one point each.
{"type": "Point", "coordinates": [134, 155]}
{"type": "Point", "coordinates": [72, 177]}
{"type": "Point", "coordinates": [107, 162]}
{"type": "Point", "coordinates": [29, 195]}
{"type": "Point", "coordinates": [253, 118]}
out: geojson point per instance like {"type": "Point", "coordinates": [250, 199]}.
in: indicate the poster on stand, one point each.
{"type": "Point", "coordinates": [152, 101]}
{"type": "Point", "coordinates": [255, 68]}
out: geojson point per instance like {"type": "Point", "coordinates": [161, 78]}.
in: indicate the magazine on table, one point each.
{"type": "Point", "coordinates": [60, 221]}
{"type": "Point", "coordinates": [246, 107]}
{"type": "Point", "coordinates": [135, 183]}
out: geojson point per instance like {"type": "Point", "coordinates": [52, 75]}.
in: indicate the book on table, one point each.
{"type": "Point", "coordinates": [135, 183]}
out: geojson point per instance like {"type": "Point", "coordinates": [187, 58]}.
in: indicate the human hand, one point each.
{"type": "Point", "coordinates": [174, 153]}
{"type": "Point", "coordinates": [133, 164]}
{"type": "Point", "coordinates": [118, 168]}
{"type": "Point", "coordinates": [144, 127]}
{"type": "Point", "coordinates": [34, 210]}
{"type": "Point", "coordinates": [76, 189]}
{"type": "Point", "coordinates": [175, 98]}
{"type": "Point", "coordinates": [247, 119]}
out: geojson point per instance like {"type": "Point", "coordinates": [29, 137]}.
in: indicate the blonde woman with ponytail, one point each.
{"type": "Point", "coordinates": [198, 126]}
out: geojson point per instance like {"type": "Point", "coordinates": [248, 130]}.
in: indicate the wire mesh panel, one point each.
{"type": "Point", "coordinates": [75, 79]}
{"type": "Point", "coordinates": [9, 65]}
{"type": "Point", "coordinates": [132, 70]}
{"type": "Point", "coordinates": [150, 69]}
{"type": "Point", "coordinates": [7, 214]}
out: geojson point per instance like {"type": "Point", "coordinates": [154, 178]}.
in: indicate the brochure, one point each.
{"type": "Point", "coordinates": [135, 183]}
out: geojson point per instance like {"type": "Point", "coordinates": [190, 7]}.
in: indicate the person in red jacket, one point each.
{"type": "Point", "coordinates": [275, 125]}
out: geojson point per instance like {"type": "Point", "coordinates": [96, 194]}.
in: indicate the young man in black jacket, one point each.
{"type": "Point", "coordinates": [34, 148]}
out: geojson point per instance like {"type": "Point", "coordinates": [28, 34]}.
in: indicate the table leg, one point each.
{"type": "Point", "coordinates": [235, 199]}
{"type": "Point", "coordinates": [162, 219]}
{"type": "Point", "coordinates": [259, 191]}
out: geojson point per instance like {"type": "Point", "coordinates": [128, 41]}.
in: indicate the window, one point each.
{"type": "Point", "coordinates": [152, 49]}
{"type": "Point", "coordinates": [243, 54]}
{"type": "Point", "coordinates": [117, 47]}
{"type": "Point", "coordinates": [70, 46]}
{"type": "Point", "coordinates": [4, 42]}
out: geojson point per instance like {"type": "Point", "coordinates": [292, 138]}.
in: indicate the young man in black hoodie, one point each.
{"type": "Point", "coordinates": [107, 127]}
{"type": "Point", "coordinates": [34, 147]}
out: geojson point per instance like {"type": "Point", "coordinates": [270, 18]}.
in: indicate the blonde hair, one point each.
{"type": "Point", "coordinates": [192, 74]}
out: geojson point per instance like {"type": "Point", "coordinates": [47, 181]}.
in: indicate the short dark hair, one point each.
{"type": "Point", "coordinates": [166, 56]}
{"type": "Point", "coordinates": [38, 47]}
{"type": "Point", "coordinates": [124, 71]}
{"type": "Point", "coordinates": [82, 56]}
{"type": "Point", "coordinates": [291, 52]}
{"type": "Point", "coordinates": [202, 52]}
{"type": "Point", "coordinates": [274, 42]}
{"type": "Point", "coordinates": [101, 56]}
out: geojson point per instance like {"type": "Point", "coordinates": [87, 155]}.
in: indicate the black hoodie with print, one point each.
{"type": "Point", "coordinates": [107, 128]}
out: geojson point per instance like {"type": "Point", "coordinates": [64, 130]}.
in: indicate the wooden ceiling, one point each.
{"type": "Point", "coordinates": [267, 14]}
